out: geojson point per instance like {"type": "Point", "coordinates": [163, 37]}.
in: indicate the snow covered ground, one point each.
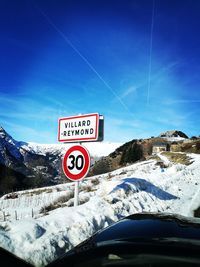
{"type": "Point", "coordinates": [175, 139]}
{"type": "Point", "coordinates": [39, 225]}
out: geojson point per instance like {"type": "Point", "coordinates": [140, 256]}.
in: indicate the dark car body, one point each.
{"type": "Point", "coordinates": [145, 239]}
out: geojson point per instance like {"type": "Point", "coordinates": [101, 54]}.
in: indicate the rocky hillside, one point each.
{"type": "Point", "coordinates": [128, 153]}
{"type": "Point", "coordinates": [138, 150]}
{"type": "Point", "coordinates": [11, 179]}
{"type": "Point", "coordinates": [22, 167]}
{"type": "Point", "coordinates": [189, 146]}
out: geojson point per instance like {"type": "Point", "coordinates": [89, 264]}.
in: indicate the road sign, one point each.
{"type": "Point", "coordinates": [76, 163]}
{"type": "Point", "coordinates": [79, 128]}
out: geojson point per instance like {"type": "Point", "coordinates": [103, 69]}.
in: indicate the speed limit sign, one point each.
{"type": "Point", "coordinates": [76, 163]}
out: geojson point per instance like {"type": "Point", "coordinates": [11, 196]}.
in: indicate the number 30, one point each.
{"type": "Point", "coordinates": [76, 162]}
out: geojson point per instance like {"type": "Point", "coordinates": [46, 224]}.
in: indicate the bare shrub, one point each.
{"type": "Point", "coordinates": [95, 181]}
{"type": "Point", "coordinates": [65, 198]}
{"type": "Point", "coordinates": [87, 188]}
{"type": "Point", "coordinates": [110, 175]}
{"type": "Point", "coordinates": [83, 200]}
{"type": "Point", "coordinates": [11, 195]}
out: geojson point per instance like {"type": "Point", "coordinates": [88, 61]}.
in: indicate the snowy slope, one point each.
{"type": "Point", "coordinates": [174, 139]}
{"type": "Point", "coordinates": [105, 199]}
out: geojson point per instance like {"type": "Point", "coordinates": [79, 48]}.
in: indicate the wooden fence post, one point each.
{"type": "Point", "coordinates": [4, 216]}
{"type": "Point", "coordinates": [15, 214]}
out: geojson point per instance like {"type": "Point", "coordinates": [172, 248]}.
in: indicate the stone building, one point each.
{"type": "Point", "coordinates": [160, 147]}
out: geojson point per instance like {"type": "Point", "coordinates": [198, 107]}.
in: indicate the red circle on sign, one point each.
{"type": "Point", "coordinates": [86, 165]}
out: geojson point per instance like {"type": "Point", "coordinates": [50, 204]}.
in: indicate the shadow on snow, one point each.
{"type": "Point", "coordinates": [137, 184]}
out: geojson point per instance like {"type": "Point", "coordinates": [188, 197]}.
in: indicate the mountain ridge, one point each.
{"type": "Point", "coordinates": [39, 164]}
{"type": "Point", "coordinates": [174, 133]}
{"type": "Point", "coordinates": [142, 149]}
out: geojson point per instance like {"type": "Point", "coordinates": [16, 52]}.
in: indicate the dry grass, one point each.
{"type": "Point", "coordinates": [154, 157]}
{"type": "Point", "coordinates": [32, 192]}
{"type": "Point", "coordinates": [88, 188]}
{"type": "Point", "coordinates": [59, 202]}
{"type": "Point", "coordinates": [181, 158]}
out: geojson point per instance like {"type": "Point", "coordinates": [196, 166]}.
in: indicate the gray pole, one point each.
{"type": "Point", "coordinates": [76, 190]}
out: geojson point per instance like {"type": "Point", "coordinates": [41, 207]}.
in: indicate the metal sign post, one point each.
{"type": "Point", "coordinates": [76, 161]}
{"type": "Point", "coordinates": [76, 191]}
{"type": "Point", "coordinates": [76, 164]}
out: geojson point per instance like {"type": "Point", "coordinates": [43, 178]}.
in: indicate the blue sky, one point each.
{"type": "Point", "coordinates": [135, 62]}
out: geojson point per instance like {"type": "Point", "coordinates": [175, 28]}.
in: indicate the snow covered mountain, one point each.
{"type": "Point", "coordinates": [39, 225]}
{"type": "Point", "coordinates": [174, 135]}
{"type": "Point", "coordinates": [35, 169]}
{"type": "Point", "coordinates": [28, 165]}
{"type": "Point", "coordinates": [38, 164]}
{"type": "Point", "coordinates": [96, 149]}
{"type": "Point", "coordinates": [9, 147]}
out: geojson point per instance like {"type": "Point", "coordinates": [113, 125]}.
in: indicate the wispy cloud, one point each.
{"type": "Point", "coordinates": [173, 118]}
{"type": "Point", "coordinates": [167, 68]}
{"type": "Point", "coordinates": [7, 99]}
{"type": "Point", "coordinates": [180, 101]}
{"type": "Point", "coordinates": [157, 77]}
{"type": "Point", "coordinates": [40, 115]}
{"type": "Point", "coordinates": [38, 107]}
{"type": "Point", "coordinates": [129, 90]}
{"type": "Point", "coordinates": [17, 130]}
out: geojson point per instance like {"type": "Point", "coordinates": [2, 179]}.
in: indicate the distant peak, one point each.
{"type": "Point", "coordinates": [3, 133]}
{"type": "Point", "coordinates": [173, 133]}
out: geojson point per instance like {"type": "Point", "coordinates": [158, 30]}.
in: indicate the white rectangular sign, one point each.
{"type": "Point", "coordinates": [79, 128]}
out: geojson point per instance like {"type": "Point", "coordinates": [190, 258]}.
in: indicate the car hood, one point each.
{"type": "Point", "coordinates": [146, 227]}
{"type": "Point", "coordinates": [151, 226]}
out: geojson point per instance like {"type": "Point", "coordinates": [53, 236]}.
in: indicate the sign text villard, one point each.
{"type": "Point", "coordinates": [77, 124]}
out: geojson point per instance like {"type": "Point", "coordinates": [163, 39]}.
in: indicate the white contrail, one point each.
{"type": "Point", "coordinates": [150, 53]}
{"type": "Point", "coordinates": [83, 57]}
